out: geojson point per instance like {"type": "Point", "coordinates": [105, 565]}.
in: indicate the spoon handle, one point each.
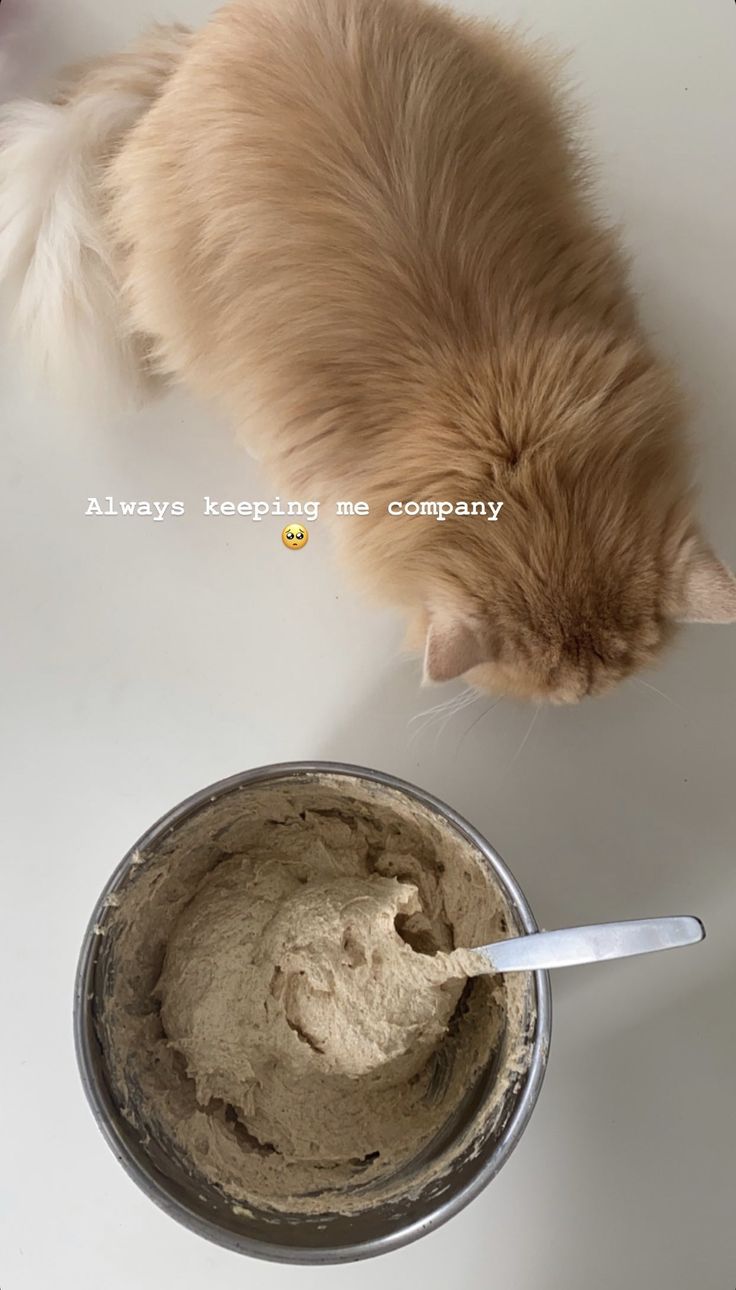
{"type": "Point", "coordinates": [592, 944]}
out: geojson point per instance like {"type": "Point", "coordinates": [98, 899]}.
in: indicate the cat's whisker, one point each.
{"type": "Point", "coordinates": [436, 713]}
{"type": "Point", "coordinates": [524, 741]}
{"type": "Point", "coordinates": [661, 693]}
{"type": "Point", "coordinates": [420, 730]}
{"type": "Point", "coordinates": [474, 695]}
{"type": "Point", "coordinates": [474, 723]}
{"type": "Point", "coordinates": [468, 698]}
{"type": "Point", "coordinates": [428, 719]}
{"type": "Point", "coordinates": [439, 707]}
{"type": "Point", "coordinates": [442, 712]}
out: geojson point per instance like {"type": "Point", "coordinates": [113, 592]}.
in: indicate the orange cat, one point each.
{"type": "Point", "coordinates": [362, 228]}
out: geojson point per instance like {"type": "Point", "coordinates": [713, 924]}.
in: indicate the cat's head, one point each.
{"type": "Point", "coordinates": [579, 583]}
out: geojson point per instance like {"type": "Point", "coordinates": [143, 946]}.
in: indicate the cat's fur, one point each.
{"type": "Point", "coordinates": [362, 228]}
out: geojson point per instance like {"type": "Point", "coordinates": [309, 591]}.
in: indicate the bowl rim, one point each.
{"type": "Point", "coordinates": [85, 1036]}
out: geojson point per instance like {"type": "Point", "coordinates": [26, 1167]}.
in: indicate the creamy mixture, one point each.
{"type": "Point", "coordinates": [296, 1029]}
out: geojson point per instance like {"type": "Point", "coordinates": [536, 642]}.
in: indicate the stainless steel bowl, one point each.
{"type": "Point", "coordinates": [327, 1237]}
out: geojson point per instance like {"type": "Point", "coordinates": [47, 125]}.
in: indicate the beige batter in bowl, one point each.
{"type": "Point", "coordinates": [299, 1164]}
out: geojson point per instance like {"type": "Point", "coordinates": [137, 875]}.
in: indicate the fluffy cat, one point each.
{"type": "Point", "coordinates": [363, 229]}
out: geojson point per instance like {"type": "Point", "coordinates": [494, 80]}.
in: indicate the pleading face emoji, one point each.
{"type": "Point", "coordinates": [295, 536]}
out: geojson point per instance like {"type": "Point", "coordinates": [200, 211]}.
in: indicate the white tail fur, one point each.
{"type": "Point", "coordinates": [56, 263]}
{"type": "Point", "coordinates": [63, 292]}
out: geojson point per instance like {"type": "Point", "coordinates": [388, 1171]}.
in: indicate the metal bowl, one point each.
{"type": "Point", "coordinates": [326, 1237]}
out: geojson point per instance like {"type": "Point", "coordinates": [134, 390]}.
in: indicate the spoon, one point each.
{"type": "Point", "coordinates": [572, 945]}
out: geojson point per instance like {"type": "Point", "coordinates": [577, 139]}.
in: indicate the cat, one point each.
{"type": "Point", "coordinates": [364, 229]}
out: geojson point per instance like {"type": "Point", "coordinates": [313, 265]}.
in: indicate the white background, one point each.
{"type": "Point", "coordinates": [141, 661]}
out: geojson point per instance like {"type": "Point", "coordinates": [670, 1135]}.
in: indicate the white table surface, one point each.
{"type": "Point", "coordinates": [141, 661]}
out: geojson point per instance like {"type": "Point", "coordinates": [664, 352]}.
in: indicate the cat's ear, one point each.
{"type": "Point", "coordinates": [709, 594]}
{"type": "Point", "coordinates": [452, 648]}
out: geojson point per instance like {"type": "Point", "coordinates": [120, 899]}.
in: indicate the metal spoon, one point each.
{"type": "Point", "coordinates": [571, 945]}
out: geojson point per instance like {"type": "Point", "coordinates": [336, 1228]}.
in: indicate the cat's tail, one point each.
{"type": "Point", "coordinates": [58, 267]}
